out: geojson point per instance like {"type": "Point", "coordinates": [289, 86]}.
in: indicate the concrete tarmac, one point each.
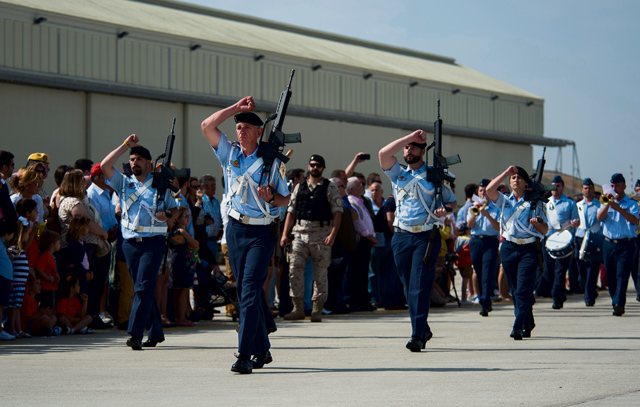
{"type": "Point", "coordinates": [576, 356]}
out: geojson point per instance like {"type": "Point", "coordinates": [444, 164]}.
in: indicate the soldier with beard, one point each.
{"type": "Point", "coordinates": [314, 220]}
{"type": "Point", "coordinates": [416, 216]}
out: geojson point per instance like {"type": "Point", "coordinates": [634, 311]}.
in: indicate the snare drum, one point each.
{"type": "Point", "coordinates": [591, 248]}
{"type": "Point", "coordinates": [560, 244]}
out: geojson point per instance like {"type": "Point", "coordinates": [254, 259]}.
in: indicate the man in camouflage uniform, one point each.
{"type": "Point", "coordinates": [313, 217]}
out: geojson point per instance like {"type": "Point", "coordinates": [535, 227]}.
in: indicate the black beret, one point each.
{"type": "Point", "coordinates": [141, 151]}
{"type": "Point", "coordinates": [523, 174]}
{"type": "Point", "coordinates": [248, 117]}
{"type": "Point", "coordinates": [616, 178]}
{"type": "Point", "coordinates": [317, 158]}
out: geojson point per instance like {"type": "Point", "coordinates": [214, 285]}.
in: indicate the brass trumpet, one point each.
{"type": "Point", "coordinates": [606, 199]}
{"type": "Point", "coordinates": [475, 210]}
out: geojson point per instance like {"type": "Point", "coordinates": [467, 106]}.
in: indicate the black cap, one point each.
{"type": "Point", "coordinates": [616, 178]}
{"type": "Point", "coordinates": [588, 182]}
{"type": "Point", "coordinates": [484, 183]}
{"type": "Point", "coordinates": [141, 151]}
{"type": "Point", "coordinates": [522, 173]}
{"type": "Point", "coordinates": [557, 180]}
{"type": "Point", "coordinates": [248, 117]}
{"type": "Point", "coordinates": [317, 158]}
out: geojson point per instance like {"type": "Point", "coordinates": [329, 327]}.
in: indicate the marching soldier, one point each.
{"type": "Point", "coordinates": [416, 216]}
{"type": "Point", "coordinates": [484, 245]}
{"type": "Point", "coordinates": [588, 269]}
{"type": "Point", "coordinates": [619, 219]}
{"type": "Point", "coordinates": [522, 226]}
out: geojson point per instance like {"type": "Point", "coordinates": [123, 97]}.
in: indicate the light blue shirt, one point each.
{"type": "Point", "coordinates": [566, 210]}
{"type": "Point", "coordinates": [590, 217]}
{"type": "Point", "coordinates": [6, 266]}
{"type": "Point", "coordinates": [461, 218]}
{"type": "Point", "coordinates": [101, 199]}
{"type": "Point", "coordinates": [509, 204]}
{"type": "Point", "coordinates": [131, 185]}
{"type": "Point", "coordinates": [235, 164]}
{"type": "Point", "coordinates": [410, 211]}
{"type": "Point", "coordinates": [483, 226]}
{"type": "Point", "coordinates": [617, 227]}
{"type": "Point", "coordinates": [182, 201]}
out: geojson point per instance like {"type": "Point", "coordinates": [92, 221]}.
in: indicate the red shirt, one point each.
{"type": "Point", "coordinates": [47, 263]}
{"type": "Point", "coordinates": [72, 307]}
{"type": "Point", "coordinates": [28, 309]}
{"type": "Point", "coordinates": [33, 252]}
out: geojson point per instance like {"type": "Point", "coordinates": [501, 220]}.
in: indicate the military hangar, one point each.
{"type": "Point", "coordinates": [77, 77]}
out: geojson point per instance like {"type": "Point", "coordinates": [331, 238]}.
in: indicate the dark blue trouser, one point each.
{"type": "Point", "coordinates": [393, 295]}
{"type": "Point", "coordinates": [250, 251]}
{"type": "Point", "coordinates": [635, 270]}
{"type": "Point", "coordinates": [618, 261]}
{"type": "Point", "coordinates": [520, 263]}
{"type": "Point", "coordinates": [589, 272]}
{"type": "Point", "coordinates": [143, 260]}
{"type": "Point", "coordinates": [378, 274]}
{"type": "Point", "coordinates": [484, 256]}
{"type": "Point", "coordinates": [416, 276]}
{"type": "Point", "coordinates": [557, 269]}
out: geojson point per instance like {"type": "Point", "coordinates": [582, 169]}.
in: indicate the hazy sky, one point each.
{"type": "Point", "coordinates": [582, 57]}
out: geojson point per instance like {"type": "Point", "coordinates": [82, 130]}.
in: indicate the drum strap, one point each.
{"type": "Point", "coordinates": [582, 214]}
{"type": "Point", "coordinates": [552, 215]}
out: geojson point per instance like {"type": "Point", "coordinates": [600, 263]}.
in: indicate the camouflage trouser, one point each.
{"type": "Point", "coordinates": [320, 254]}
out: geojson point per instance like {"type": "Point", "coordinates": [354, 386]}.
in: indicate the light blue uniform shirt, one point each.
{"type": "Point", "coordinates": [511, 205]}
{"type": "Point", "coordinates": [410, 211]}
{"type": "Point", "coordinates": [566, 210]}
{"type": "Point", "coordinates": [461, 218]}
{"type": "Point", "coordinates": [101, 199]}
{"type": "Point", "coordinates": [483, 226]}
{"type": "Point", "coordinates": [590, 217]}
{"type": "Point", "coordinates": [617, 227]}
{"type": "Point", "coordinates": [235, 164]}
{"type": "Point", "coordinates": [131, 185]}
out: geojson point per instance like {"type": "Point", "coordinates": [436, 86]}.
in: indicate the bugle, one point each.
{"type": "Point", "coordinates": [475, 210]}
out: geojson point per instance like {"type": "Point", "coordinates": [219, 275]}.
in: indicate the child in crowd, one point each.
{"type": "Point", "coordinates": [78, 259]}
{"type": "Point", "coordinates": [70, 312]}
{"type": "Point", "coordinates": [46, 270]}
{"type": "Point", "coordinates": [28, 208]}
{"type": "Point", "coordinates": [34, 322]}
{"type": "Point", "coordinates": [27, 214]}
{"type": "Point", "coordinates": [185, 259]}
{"type": "Point", "coordinates": [7, 230]}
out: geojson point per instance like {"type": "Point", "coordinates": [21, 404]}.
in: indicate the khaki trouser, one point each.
{"type": "Point", "coordinates": [125, 300]}
{"type": "Point", "coordinates": [225, 252]}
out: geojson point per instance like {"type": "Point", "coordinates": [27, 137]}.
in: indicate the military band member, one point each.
{"type": "Point", "coordinates": [144, 229]}
{"type": "Point", "coordinates": [313, 217]}
{"type": "Point", "coordinates": [562, 215]}
{"type": "Point", "coordinates": [619, 219]}
{"type": "Point", "coordinates": [484, 245]}
{"type": "Point", "coordinates": [251, 208]}
{"type": "Point", "coordinates": [588, 269]}
{"type": "Point", "coordinates": [522, 226]}
{"type": "Point", "coordinates": [416, 216]}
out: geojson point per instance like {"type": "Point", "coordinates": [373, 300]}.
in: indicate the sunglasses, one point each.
{"type": "Point", "coordinates": [184, 216]}
{"type": "Point", "coordinates": [41, 171]}
{"type": "Point", "coordinates": [312, 165]}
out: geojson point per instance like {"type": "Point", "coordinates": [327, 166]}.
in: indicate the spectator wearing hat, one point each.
{"type": "Point", "coordinates": [484, 225]}
{"type": "Point", "coordinates": [313, 218]}
{"type": "Point", "coordinates": [144, 230]}
{"type": "Point", "coordinates": [253, 206]}
{"type": "Point", "coordinates": [588, 270]}
{"type": "Point", "coordinates": [99, 195]}
{"type": "Point", "coordinates": [619, 220]}
{"type": "Point", "coordinates": [563, 215]}
{"type": "Point", "coordinates": [522, 227]}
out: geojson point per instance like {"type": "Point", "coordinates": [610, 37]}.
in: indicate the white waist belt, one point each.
{"type": "Point", "coordinates": [520, 241]}
{"type": "Point", "coordinates": [144, 229]}
{"type": "Point", "coordinates": [248, 220]}
{"type": "Point", "coordinates": [413, 229]}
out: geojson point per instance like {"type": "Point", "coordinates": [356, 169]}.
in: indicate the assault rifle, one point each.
{"type": "Point", "coordinates": [438, 174]}
{"type": "Point", "coordinates": [537, 191]}
{"type": "Point", "coordinates": [163, 177]}
{"type": "Point", "coordinates": [272, 149]}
